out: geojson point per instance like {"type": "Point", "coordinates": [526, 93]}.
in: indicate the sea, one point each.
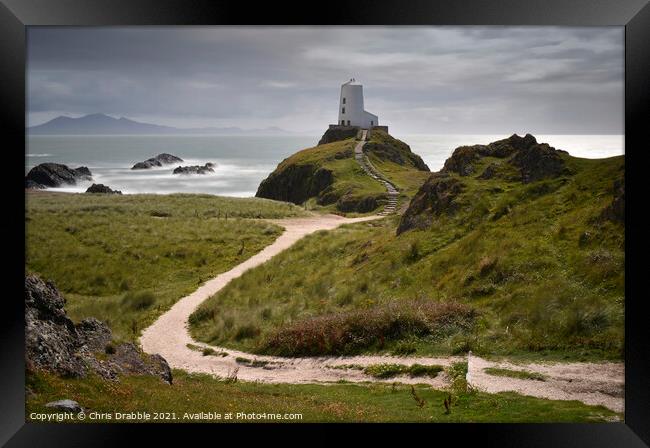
{"type": "Point", "coordinates": [242, 162]}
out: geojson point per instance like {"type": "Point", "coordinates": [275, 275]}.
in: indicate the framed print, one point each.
{"type": "Point", "coordinates": [380, 213]}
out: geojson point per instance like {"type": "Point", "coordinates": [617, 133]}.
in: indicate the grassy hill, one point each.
{"type": "Point", "coordinates": [328, 176]}
{"type": "Point", "coordinates": [126, 259]}
{"type": "Point", "coordinates": [514, 248]}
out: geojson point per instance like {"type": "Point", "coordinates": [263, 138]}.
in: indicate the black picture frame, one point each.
{"type": "Point", "coordinates": [634, 15]}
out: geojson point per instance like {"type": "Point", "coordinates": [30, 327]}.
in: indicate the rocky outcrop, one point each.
{"type": "Point", "coordinates": [54, 343]}
{"type": "Point", "coordinates": [195, 169]}
{"type": "Point", "coordinates": [364, 204]}
{"type": "Point", "coordinates": [295, 183]}
{"type": "Point", "coordinates": [55, 175]}
{"type": "Point", "coordinates": [101, 188]}
{"type": "Point", "coordinates": [524, 160]}
{"type": "Point", "coordinates": [462, 160]}
{"type": "Point", "coordinates": [533, 160]}
{"type": "Point", "coordinates": [538, 162]}
{"type": "Point", "coordinates": [51, 338]}
{"type": "Point", "coordinates": [435, 197]}
{"type": "Point", "coordinates": [615, 211]}
{"type": "Point", "coordinates": [312, 173]}
{"type": "Point", "coordinates": [159, 160]}
{"type": "Point", "coordinates": [337, 134]}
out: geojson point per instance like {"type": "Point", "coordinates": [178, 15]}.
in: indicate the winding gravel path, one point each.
{"type": "Point", "coordinates": [370, 170]}
{"type": "Point", "coordinates": [591, 383]}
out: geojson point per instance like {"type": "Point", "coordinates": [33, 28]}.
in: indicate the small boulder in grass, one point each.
{"type": "Point", "coordinates": [65, 406]}
{"type": "Point", "coordinates": [101, 188]}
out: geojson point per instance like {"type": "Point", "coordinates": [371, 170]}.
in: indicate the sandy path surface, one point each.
{"type": "Point", "coordinates": [591, 383]}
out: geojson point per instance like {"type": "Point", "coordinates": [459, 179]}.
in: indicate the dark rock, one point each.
{"type": "Point", "coordinates": [33, 185]}
{"type": "Point", "coordinates": [101, 188]}
{"type": "Point", "coordinates": [337, 134]}
{"type": "Point", "coordinates": [83, 171]}
{"type": "Point", "coordinates": [195, 169]}
{"type": "Point", "coordinates": [128, 359]}
{"type": "Point", "coordinates": [615, 211]}
{"type": "Point", "coordinates": [65, 406]}
{"type": "Point", "coordinates": [55, 175]}
{"type": "Point", "coordinates": [93, 334]}
{"type": "Point", "coordinates": [462, 160]}
{"type": "Point", "coordinates": [51, 340]}
{"type": "Point", "coordinates": [436, 196]}
{"type": "Point", "coordinates": [534, 160]}
{"type": "Point", "coordinates": [295, 183]}
{"type": "Point", "coordinates": [506, 147]}
{"type": "Point", "coordinates": [55, 344]}
{"type": "Point", "coordinates": [538, 162]}
{"type": "Point", "coordinates": [159, 160]}
{"type": "Point", "coordinates": [363, 204]}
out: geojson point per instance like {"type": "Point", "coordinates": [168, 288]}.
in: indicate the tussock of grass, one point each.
{"type": "Point", "coordinates": [392, 370]}
{"type": "Point", "coordinates": [520, 374]}
{"type": "Point", "coordinates": [117, 259]}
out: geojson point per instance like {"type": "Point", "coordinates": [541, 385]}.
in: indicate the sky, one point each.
{"type": "Point", "coordinates": [418, 80]}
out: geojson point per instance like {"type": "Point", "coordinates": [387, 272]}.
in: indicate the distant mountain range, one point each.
{"type": "Point", "coordinates": [104, 124]}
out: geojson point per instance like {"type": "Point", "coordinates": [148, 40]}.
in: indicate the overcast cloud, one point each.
{"type": "Point", "coordinates": [417, 79]}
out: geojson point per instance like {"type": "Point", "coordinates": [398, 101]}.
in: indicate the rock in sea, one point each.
{"type": "Point", "coordinates": [159, 160]}
{"type": "Point", "coordinates": [195, 169]}
{"type": "Point", "coordinates": [101, 188]}
{"type": "Point", "coordinates": [54, 175]}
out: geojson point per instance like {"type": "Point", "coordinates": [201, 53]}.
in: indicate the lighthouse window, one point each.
{"type": "Point", "coordinates": [343, 110]}
{"type": "Point", "coordinates": [343, 100]}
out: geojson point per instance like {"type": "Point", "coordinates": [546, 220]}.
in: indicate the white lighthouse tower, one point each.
{"type": "Point", "coordinates": [351, 111]}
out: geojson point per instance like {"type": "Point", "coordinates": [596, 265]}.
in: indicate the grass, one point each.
{"type": "Point", "coordinates": [380, 402]}
{"type": "Point", "coordinates": [520, 374]}
{"type": "Point", "coordinates": [393, 370]}
{"type": "Point", "coordinates": [126, 259]}
{"type": "Point", "coordinates": [542, 273]}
